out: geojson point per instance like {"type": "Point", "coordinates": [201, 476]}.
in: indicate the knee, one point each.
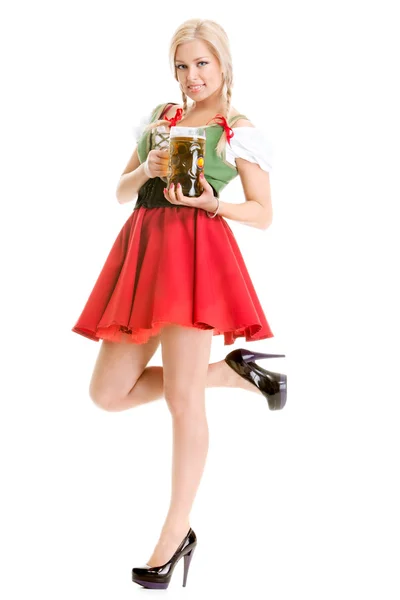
{"type": "Point", "coordinates": [185, 403]}
{"type": "Point", "coordinates": [103, 399]}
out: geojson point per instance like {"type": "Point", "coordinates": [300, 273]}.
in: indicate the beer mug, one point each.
{"type": "Point", "coordinates": [161, 140]}
{"type": "Point", "coordinates": [187, 148]}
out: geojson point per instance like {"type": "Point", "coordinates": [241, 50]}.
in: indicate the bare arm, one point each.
{"type": "Point", "coordinates": [257, 210]}
{"type": "Point", "coordinates": [131, 180]}
{"type": "Point", "coordinates": [248, 213]}
{"type": "Point", "coordinates": [135, 176]}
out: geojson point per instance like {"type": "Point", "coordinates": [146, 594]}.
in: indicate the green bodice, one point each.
{"type": "Point", "coordinates": [217, 170]}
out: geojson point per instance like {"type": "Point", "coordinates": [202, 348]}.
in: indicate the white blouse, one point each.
{"type": "Point", "coordinates": [250, 143]}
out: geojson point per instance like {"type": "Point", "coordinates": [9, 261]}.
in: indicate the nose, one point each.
{"type": "Point", "coordinates": [191, 74]}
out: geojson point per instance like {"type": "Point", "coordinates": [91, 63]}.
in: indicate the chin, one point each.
{"type": "Point", "coordinates": [203, 94]}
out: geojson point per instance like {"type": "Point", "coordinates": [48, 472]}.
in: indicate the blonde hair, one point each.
{"type": "Point", "coordinates": [217, 40]}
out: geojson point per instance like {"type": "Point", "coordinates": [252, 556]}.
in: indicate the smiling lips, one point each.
{"type": "Point", "coordinates": [195, 88]}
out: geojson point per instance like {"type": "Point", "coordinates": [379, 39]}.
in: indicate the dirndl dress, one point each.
{"type": "Point", "coordinates": [172, 264]}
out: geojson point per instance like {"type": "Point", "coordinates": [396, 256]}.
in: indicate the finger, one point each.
{"type": "Point", "coordinates": [183, 199]}
{"type": "Point", "coordinates": [162, 166]}
{"type": "Point", "coordinates": [179, 193]}
{"type": "Point", "coordinates": [172, 193]}
{"type": "Point", "coordinates": [163, 153]}
{"type": "Point", "coordinates": [161, 161]}
{"type": "Point", "coordinates": [167, 195]}
{"type": "Point", "coordinates": [159, 168]}
{"type": "Point", "coordinates": [203, 181]}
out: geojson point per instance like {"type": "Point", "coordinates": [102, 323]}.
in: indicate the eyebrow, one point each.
{"type": "Point", "coordinates": [177, 60]}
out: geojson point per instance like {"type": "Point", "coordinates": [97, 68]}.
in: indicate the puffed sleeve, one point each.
{"type": "Point", "coordinates": [252, 144]}
{"type": "Point", "coordinates": [138, 128]}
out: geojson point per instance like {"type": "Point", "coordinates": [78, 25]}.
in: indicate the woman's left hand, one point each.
{"type": "Point", "coordinates": [207, 200]}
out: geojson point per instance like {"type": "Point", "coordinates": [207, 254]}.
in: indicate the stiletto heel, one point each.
{"type": "Point", "coordinates": [247, 355]}
{"type": "Point", "coordinates": [160, 577]}
{"type": "Point", "coordinates": [187, 558]}
{"type": "Point", "coordinates": [272, 385]}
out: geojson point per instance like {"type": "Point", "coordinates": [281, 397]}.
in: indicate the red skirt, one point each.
{"type": "Point", "coordinates": [173, 265]}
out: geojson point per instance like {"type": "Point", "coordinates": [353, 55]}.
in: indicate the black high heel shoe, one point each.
{"type": "Point", "coordinates": [272, 385]}
{"type": "Point", "coordinates": [160, 577]}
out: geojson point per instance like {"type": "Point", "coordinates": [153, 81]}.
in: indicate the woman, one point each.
{"type": "Point", "coordinates": [175, 276]}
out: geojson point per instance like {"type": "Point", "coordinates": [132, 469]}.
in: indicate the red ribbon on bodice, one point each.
{"type": "Point", "coordinates": [173, 120]}
{"type": "Point", "coordinates": [221, 120]}
{"type": "Point", "coordinates": [224, 123]}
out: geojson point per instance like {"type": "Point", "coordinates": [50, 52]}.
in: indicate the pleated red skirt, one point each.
{"type": "Point", "coordinates": [173, 265]}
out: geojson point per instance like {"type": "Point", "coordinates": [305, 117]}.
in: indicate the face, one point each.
{"type": "Point", "coordinates": [197, 66]}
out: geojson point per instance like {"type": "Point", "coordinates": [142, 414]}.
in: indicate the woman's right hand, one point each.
{"type": "Point", "coordinates": [156, 164]}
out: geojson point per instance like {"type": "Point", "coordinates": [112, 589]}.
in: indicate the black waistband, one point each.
{"type": "Point", "coordinates": [151, 194]}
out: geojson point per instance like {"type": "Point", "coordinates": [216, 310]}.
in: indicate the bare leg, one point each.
{"type": "Point", "coordinates": [120, 379]}
{"type": "Point", "coordinates": [150, 385]}
{"type": "Point", "coordinates": [185, 352]}
{"type": "Point", "coordinates": [117, 369]}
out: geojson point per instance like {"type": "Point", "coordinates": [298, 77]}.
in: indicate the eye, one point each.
{"type": "Point", "coordinates": [202, 62]}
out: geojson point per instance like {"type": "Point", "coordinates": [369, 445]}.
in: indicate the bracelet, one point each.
{"type": "Point", "coordinates": [214, 214]}
{"type": "Point", "coordinates": [146, 168]}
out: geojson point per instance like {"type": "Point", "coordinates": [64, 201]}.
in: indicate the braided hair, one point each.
{"type": "Point", "coordinates": [216, 38]}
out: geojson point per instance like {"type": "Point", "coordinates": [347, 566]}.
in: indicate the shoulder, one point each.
{"type": "Point", "coordinates": [251, 143]}
{"type": "Point", "coordinates": [171, 109]}
{"type": "Point", "coordinates": [162, 109]}
{"type": "Point", "coordinates": [243, 123]}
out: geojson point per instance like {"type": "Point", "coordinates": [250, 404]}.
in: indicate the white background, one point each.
{"type": "Point", "coordinates": [299, 503]}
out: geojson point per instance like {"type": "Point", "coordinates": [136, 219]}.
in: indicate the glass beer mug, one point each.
{"type": "Point", "coordinates": [187, 149]}
{"type": "Point", "coordinates": [161, 140]}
